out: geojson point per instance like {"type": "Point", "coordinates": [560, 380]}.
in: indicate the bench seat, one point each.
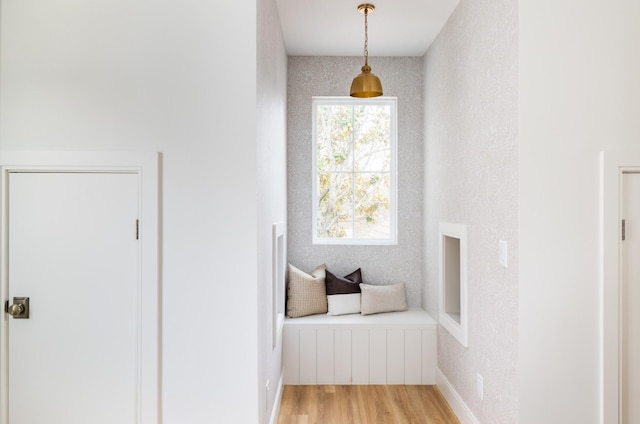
{"type": "Point", "coordinates": [389, 348]}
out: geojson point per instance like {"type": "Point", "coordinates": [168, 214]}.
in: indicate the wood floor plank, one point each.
{"type": "Point", "coordinates": [356, 403]}
{"type": "Point", "coordinates": [419, 401]}
{"type": "Point", "coordinates": [403, 408]}
{"type": "Point", "coordinates": [370, 404]}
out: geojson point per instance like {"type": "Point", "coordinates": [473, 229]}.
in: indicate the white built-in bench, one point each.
{"type": "Point", "coordinates": [388, 348]}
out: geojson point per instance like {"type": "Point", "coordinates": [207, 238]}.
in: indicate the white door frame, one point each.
{"type": "Point", "coordinates": [147, 167]}
{"type": "Point", "coordinates": [613, 164]}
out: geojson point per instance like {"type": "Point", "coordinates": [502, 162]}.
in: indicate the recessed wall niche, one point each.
{"type": "Point", "coordinates": [278, 281]}
{"type": "Point", "coordinates": [453, 280]}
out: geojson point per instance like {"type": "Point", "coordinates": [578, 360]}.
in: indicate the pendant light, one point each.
{"type": "Point", "coordinates": [366, 84]}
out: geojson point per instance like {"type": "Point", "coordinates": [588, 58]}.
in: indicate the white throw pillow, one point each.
{"type": "Point", "coordinates": [377, 299]}
{"type": "Point", "coordinates": [343, 304]}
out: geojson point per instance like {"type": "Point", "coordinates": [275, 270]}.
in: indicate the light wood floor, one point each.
{"type": "Point", "coordinates": [364, 405]}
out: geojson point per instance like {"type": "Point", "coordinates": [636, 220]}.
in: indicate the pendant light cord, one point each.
{"type": "Point", "coordinates": [366, 37]}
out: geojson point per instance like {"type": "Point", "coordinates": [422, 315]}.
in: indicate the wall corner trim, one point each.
{"type": "Point", "coordinates": [456, 403]}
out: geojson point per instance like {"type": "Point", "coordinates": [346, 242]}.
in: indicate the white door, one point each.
{"type": "Point", "coordinates": [630, 300]}
{"type": "Point", "coordinates": [73, 250]}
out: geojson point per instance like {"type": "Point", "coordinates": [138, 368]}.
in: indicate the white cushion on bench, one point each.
{"type": "Point", "coordinates": [412, 318]}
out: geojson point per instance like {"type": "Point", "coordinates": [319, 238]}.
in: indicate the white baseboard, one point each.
{"type": "Point", "coordinates": [276, 403]}
{"type": "Point", "coordinates": [455, 401]}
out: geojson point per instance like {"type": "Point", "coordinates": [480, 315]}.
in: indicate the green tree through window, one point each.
{"type": "Point", "coordinates": [354, 181]}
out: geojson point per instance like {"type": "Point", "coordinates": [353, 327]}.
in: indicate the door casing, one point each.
{"type": "Point", "coordinates": [629, 294]}
{"type": "Point", "coordinates": [613, 164]}
{"type": "Point", "coordinates": [147, 167]}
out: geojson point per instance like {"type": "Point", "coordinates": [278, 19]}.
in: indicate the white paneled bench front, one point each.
{"type": "Point", "coordinates": [388, 348]}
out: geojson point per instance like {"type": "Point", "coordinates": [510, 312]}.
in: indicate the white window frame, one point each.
{"type": "Point", "coordinates": [393, 196]}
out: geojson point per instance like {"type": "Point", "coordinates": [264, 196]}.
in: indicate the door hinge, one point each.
{"type": "Point", "coordinates": [623, 229]}
{"type": "Point", "coordinates": [137, 229]}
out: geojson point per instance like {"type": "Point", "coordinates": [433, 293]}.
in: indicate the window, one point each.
{"type": "Point", "coordinates": [354, 165]}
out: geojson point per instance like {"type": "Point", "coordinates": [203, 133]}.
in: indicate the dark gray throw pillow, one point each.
{"type": "Point", "coordinates": [343, 285]}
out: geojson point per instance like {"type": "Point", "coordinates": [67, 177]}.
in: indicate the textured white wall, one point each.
{"type": "Point", "coordinates": [177, 77]}
{"type": "Point", "coordinates": [579, 94]}
{"type": "Point", "coordinates": [471, 155]}
{"type": "Point", "coordinates": [331, 76]}
{"type": "Point", "coordinates": [272, 186]}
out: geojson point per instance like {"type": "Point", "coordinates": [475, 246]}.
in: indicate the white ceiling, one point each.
{"type": "Point", "coordinates": [336, 28]}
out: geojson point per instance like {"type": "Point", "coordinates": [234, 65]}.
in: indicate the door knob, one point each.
{"type": "Point", "coordinates": [19, 309]}
{"type": "Point", "coordinates": [16, 309]}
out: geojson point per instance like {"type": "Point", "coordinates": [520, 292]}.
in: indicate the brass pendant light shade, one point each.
{"type": "Point", "coordinates": [366, 84]}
